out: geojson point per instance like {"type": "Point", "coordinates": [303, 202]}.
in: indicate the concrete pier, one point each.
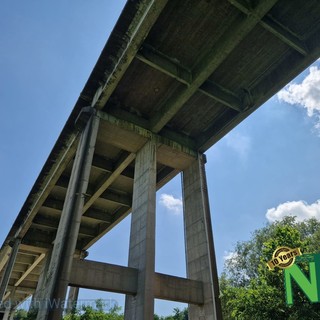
{"type": "Point", "coordinates": [142, 236]}
{"type": "Point", "coordinates": [57, 279]}
{"type": "Point", "coordinates": [200, 255]}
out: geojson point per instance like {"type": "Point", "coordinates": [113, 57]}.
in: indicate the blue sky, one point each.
{"type": "Point", "coordinates": [264, 169]}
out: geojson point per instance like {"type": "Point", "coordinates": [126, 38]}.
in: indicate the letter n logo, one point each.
{"type": "Point", "coordinates": [310, 286]}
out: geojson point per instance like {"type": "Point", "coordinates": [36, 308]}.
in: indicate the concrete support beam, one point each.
{"type": "Point", "coordinates": [222, 95]}
{"type": "Point", "coordinates": [6, 276]}
{"type": "Point", "coordinates": [274, 27]}
{"type": "Point", "coordinates": [49, 223]}
{"type": "Point", "coordinates": [178, 289]}
{"type": "Point", "coordinates": [200, 255]}
{"type": "Point", "coordinates": [32, 249]}
{"type": "Point", "coordinates": [56, 170]}
{"type": "Point", "coordinates": [107, 166]}
{"type": "Point", "coordinates": [165, 64]}
{"type": "Point", "coordinates": [92, 213]}
{"type": "Point", "coordinates": [174, 69]}
{"type": "Point", "coordinates": [137, 130]}
{"type": "Point", "coordinates": [122, 164]}
{"type": "Point", "coordinates": [142, 234]}
{"type": "Point", "coordinates": [147, 13]}
{"type": "Point", "coordinates": [57, 279]}
{"type": "Point", "coordinates": [124, 200]}
{"type": "Point", "coordinates": [108, 277]}
{"type": "Point", "coordinates": [103, 276]}
{"type": "Point", "coordinates": [209, 63]}
{"type": "Point", "coordinates": [30, 269]}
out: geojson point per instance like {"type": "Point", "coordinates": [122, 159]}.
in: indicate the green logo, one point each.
{"type": "Point", "coordinates": [309, 284]}
{"type": "Point", "coordinates": [286, 259]}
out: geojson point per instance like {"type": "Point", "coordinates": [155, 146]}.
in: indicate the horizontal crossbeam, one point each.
{"type": "Point", "coordinates": [108, 277]}
{"type": "Point", "coordinates": [145, 133]}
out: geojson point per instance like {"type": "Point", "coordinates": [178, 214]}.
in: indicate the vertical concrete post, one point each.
{"type": "Point", "coordinates": [12, 314]}
{"type": "Point", "coordinates": [6, 315]}
{"type": "Point", "coordinates": [72, 300]}
{"type": "Point", "coordinates": [142, 235]}
{"type": "Point", "coordinates": [74, 291]}
{"type": "Point", "coordinates": [57, 279]}
{"type": "Point", "coordinates": [39, 294]}
{"type": "Point", "coordinates": [12, 303]}
{"type": "Point", "coordinates": [9, 267]}
{"type": "Point", "coordinates": [200, 255]}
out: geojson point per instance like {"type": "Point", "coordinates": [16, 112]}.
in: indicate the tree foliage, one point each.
{"type": "Point", "coordinates": [250, 291]}
{"type": "Point", "coordinates": [177, 315]}
{"type": "Point", "coordinates": [86, 312]}
{"type": "Point", "coordinates": [20, 315]}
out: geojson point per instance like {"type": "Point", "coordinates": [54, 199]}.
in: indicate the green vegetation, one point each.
{"type": "Point", "coordinates": [97, 313]}
{"type": "Point", "coordinates": [250, 291]}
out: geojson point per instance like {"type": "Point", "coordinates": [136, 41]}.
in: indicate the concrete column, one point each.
{"type": "Point", "coordinates": [6, 315]}
{"type": "Point", "coordinates": [72, 299]}
{"type": "Point", "coordinates": [12, 314]}
{"type": "Point", "coordinates": [142, 235]}
{"type": "Point", "coordinates": [9, 267]}
{"type": "Point", "coordinates": [74, 291]}
{"type": "Point", "coordinates": [12, 303]}
{"type": "Point", "coordinates": [39, 295]}
{"type": "Point", "coordinates": [200, 255]}
{"type": "Point", "coordinates": [57, 279]}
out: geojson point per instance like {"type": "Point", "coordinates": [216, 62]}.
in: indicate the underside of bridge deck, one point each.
{"type": "Point", "coordinates": [180, 73]}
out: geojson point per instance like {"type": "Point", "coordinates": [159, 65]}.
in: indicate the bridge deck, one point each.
{"type": "Point", "coordinates": [184, 71]}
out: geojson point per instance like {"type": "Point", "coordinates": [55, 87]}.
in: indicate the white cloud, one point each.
{"type": "Point", "coordinates": [239, 143]}
{"type": "Point", "coordinates": [300, 209]}
{"type": "Point", "coordinates": [171, 203]}
{"type": "Point", "coordinates": [305, 94]}
{"type": "Point", "coordinates": [230, 256]}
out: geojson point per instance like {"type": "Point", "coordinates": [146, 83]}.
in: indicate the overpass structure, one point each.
{"type": "Point", "coordinates": [174, 77]}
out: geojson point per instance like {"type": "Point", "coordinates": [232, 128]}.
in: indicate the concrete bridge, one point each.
{"type": "Point", "coordinates": [174, 77]}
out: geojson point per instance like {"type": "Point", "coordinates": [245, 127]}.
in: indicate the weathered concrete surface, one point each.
{"type": "Point", "coordinates": [40, 292]}
{"type": "Point", "coordinates": [109, 277]}
{"type": "Point", "coordinates": [200, 254]}
{"type": "Point", "coordinates": [103, 276]}
{"type": "Point", "coordinates": [178, 289]}
{"type": "Point", "coordinates": [142, 235]}
{"type": "Point", "coordinates": [57, 279]}
{"type": "Point", "coordinates": [72, 299]}
{"type": "Point", "coordinates": [9, 267]}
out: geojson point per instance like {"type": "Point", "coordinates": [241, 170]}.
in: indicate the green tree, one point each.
{"type": "Point", "coordinates": [177, 315]}
{"type": "Point", "coordinates": [97, 313]}
{"type": "Point", "coordinates": [250, 291]}
{"type": "Point", "coordinates": [86, 312]}
{"type": "Point", "coordinates": [20, 314]}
